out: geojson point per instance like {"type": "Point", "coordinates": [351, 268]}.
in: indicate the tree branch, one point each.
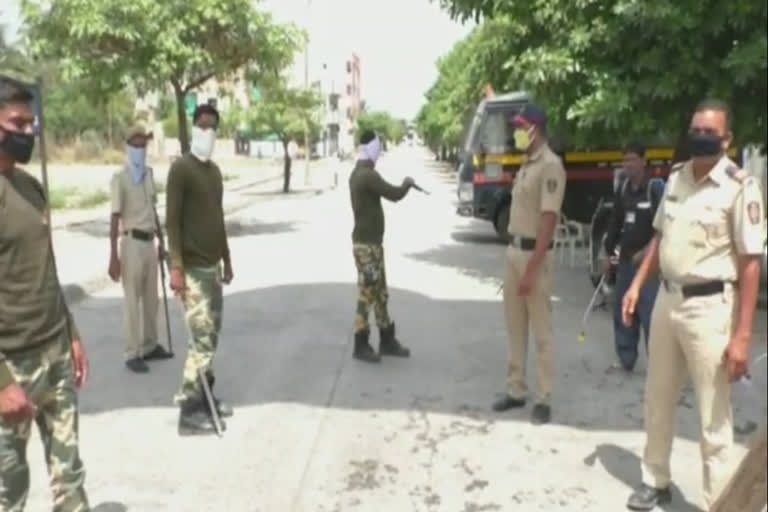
{"type": "Point", "coordinates": [198, 81]}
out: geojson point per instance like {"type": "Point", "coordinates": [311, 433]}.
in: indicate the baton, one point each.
{"type": "Point", "coordinates": [218, 425]}
{"type": "Point", "coordinates": [162, 256]}
{"type": "Point", "coordinates": [583, 336]}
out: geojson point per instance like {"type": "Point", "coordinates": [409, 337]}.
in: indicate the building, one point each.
{"type": "Point", "coordinates": [340, 87]}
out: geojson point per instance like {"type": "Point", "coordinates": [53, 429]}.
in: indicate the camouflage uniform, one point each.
{"type": "Point", "coordinates": [203, 302]}
{"type": "Point", "coordinates": [47, 377]}
{"type": "Point", "coordinates": [372, 286]}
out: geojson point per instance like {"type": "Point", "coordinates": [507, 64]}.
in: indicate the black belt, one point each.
{"type": "Point", "coordinates": [696, 290]}
{"type": "Point", "coordinates": [525, 244]}
{"type": "Point", "coordinates": [138, 234]}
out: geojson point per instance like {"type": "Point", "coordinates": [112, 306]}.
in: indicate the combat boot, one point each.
{"type": "Point", "coordinates": [223, 408]}
{"type": "Point", "coordinates": [389, 345]}
{"type": "Point", "coordinates": [363, 349]}
{"type": "Point", "coordinates": [195, 420]}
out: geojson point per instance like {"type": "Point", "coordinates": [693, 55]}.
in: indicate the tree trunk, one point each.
{"type": "Point", "coordinates": [747, 490]}
{"type": "Point", "coordinates": [286, 168]}
{"type": "Point", "coordinates": [181, 116]}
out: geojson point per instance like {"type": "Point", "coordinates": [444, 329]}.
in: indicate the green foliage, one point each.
{"type": "Point", "coordinates": [608, 70]}
{"type": "Point", "coordinates": [284, 111]}
{"type": "Point", "coordinates": [387, 127]}
{"type": "Point", "coordinates": [151, 44]}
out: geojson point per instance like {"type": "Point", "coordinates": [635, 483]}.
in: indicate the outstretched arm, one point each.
{"type": "Point", "coordinates": [386, 190]}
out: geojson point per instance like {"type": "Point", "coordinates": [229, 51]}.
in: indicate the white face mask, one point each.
{"type": "Point", "coordinates": [371, 151]}
{"type": "Point", "coordinates": [137, 158]}
{"type": "Point", "coordinates": [202, 143]}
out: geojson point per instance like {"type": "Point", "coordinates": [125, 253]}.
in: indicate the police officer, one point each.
{"type": "Point", "coordinates": [42, 358]}
{"type": "Point", "coordinates": [133, 221]}
{"type": "Point", "coordinates": [710, 238]}
{"type": "Point", "coordinates": [366, 188]}
{"type": "Point", "coordinates": [537, 197]}
{"type": "Point", "coordinates": [631, 228]}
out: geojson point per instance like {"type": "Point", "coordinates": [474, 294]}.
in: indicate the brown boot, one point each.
{"type": "Point", "coordinates": [363, 349]}
{"type": "Point", "coordinates": [389, 345]}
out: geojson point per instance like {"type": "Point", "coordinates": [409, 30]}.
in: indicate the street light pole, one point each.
{"type": "Point", "coordinates": [307, 151]}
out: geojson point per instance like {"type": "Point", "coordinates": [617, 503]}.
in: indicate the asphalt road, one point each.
{"type": "Point", "coordinates": [316, 431]}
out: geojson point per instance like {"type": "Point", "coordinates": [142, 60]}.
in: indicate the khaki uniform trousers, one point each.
{"type": "Point", "coordinates": [688, 337]}
{"type": "Point", "coordinates": [535, 311]}
{"type": "Point", "coordinates": [138, 267]}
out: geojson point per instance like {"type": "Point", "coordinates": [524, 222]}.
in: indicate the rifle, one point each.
{"type": "Point", "coordinates": [162, 261]}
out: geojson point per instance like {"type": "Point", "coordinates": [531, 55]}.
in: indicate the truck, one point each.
{"type": "Point", "coordinates": [489, 162]}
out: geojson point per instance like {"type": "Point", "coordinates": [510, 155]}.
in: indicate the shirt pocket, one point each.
{"type": "Point", "coordinates": [712, 228]}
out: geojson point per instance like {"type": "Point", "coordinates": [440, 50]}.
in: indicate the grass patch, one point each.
{"type": "Point", "coordinates": [71, 198]}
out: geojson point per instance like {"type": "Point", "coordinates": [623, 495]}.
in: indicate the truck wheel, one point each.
{"type": "Point", "coordinates": [502, 223]}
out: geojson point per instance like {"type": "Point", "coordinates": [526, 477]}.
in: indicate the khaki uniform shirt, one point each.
{"type": "Point", "coordinates": [134, 202]}
{"type": "Point", "coordinates": [539, 187]}
{"type": "Point", "coordinates": [706, 226]}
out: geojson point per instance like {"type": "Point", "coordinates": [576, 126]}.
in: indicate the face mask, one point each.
{"type": "Point", "coordinates": [202, 143]}
{"type": "Point", "coordinates": [18, 146]}
{"type": "Point", "coordinates": [372, 150]}
{"type": "Point", "coordinates": [522, 139]}
{"type": "Point", "coordinates": [704, 145]}
{"type": "Point", "coordinates": [137, 158]}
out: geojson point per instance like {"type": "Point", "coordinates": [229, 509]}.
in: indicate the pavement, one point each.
{"type": "Point", "coordinates": [316, 431]}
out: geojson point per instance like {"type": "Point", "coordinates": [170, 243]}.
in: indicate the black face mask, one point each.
{"type": "Point", "coordinates": [704, 145]}
{"type": "Point", "coordinates": [18, 146]}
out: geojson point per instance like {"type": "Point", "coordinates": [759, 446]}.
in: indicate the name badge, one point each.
{"type": "Point", "coordinates": [629, 218]}
{"type": "Point", "coordinates": [645, 205]}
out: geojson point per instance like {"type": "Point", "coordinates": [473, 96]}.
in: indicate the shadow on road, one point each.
{"type": "Point", "coordinates": [292, 343]}
{"type": "Point", "coordinates": [110, 507]}
{"type": "Point", "coordinates": [100, 228]}
{"type": "Point", "coordinates": [625, 467]}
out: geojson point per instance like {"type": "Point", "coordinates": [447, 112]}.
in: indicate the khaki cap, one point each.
{"type": "Point", "coordinates": [138, 130]}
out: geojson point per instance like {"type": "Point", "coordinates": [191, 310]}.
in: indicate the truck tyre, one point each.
{"type": "Point", "coordinates": [501, 224]}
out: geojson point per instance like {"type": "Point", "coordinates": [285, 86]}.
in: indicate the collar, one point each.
{"type": "Point", "coordinates": [538, 153]}
{"type": "Point", "coordinates": [368, 164]}
{"type": "Point", "coordinates": [717, 174]}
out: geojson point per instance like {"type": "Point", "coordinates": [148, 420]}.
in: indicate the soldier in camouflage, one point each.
{"type": "Point", "coordinates": [366, 188]}
{"type": "Point", "coordinates": [42, 360]}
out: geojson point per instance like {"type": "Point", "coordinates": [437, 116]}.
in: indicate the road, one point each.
{"type": "Point", "coordinates": [316, 431]}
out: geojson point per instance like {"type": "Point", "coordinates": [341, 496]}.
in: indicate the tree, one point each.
{"type": "Point", "coordinates": [612, 70]}
{"type": "Point", "coordinates": [384, 124]}
{"type": "Point", "coordinates": [284, 111]}
{"type": "Point", "coordinates": [154, 45]}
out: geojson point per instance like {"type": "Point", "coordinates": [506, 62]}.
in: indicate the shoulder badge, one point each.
{"type": "Point", "coordinates": [736, 174]}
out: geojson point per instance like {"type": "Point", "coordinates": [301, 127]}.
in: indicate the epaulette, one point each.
{"type": "Point", "coordinates": [735, 173]}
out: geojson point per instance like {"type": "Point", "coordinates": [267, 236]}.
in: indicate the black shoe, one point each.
{"type": "Point", "coordinates": [506, 403]}
{"type": "Point", "coordinates": [363, 350]}
{"type": "Point", "coordinates": [541, 414]}
{"type": "Point", "coordinates": [389, 345]}
{"type": "Point", "coordinates": [223, 408]}
{"type": "Point", "coordinates": [158, 353]}
{"type": "Point", "coordinates": [648, 498]}
{"type": "Point", "coordinates": [137, 365]}
{"type": "Point", "coordinates": [194, 420]}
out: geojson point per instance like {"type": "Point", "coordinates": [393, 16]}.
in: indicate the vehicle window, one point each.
{"type": "Point", "coordinates": [493, 135]}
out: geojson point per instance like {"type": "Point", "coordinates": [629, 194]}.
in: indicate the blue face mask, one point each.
{"type": "Point", "coordinates": [137, 158]}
